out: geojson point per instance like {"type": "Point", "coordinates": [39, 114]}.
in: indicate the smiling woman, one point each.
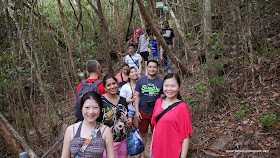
{"type": "Point", "coordinates": [89, 134]}
{"type": "Point", "coordinates": [115, 115]}
{"type": "Point", "coordinates": [172, 114]}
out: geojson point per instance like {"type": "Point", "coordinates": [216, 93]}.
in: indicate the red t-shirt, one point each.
{"type": "Point", "coordinates": [100, 87]}
{"type": "Point", "coordinates": [171, 130]}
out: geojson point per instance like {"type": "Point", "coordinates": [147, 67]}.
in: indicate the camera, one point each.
{"type": "Point", "coordinates": [151, 103]}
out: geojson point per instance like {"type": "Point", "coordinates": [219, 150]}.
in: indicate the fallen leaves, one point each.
{"type": "Point", "coordinates": [275, 95]}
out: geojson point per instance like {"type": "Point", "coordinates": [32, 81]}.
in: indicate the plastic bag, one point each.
{"type": "Point", "coordinates": [134, 142]}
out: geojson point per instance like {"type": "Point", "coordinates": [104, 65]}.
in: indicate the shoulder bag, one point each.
{"type": "Point", "coordinates": [133, 61]}
{"type": "Point", "coordinates": [167, 109]}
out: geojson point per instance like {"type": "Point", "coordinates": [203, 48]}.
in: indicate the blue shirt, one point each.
{"type": "Point", "coordinates": [150, 90]}
{"type": "Point", "coordinates": [155, 47]}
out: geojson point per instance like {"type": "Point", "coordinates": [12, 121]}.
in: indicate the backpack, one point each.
{"type": "Point", "coordinates": [86, 87]}
{"type": "Point", "coordinates": [120, 85]}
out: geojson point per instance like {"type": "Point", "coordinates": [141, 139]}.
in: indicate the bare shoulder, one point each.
{"type": "Point", "coordinates": [105, 130]}
{"type": "Point", "coordinates": [72, 129]}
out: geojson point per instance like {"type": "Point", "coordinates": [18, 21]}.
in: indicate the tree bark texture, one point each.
{"type": "Point", "coordinates": [78, 36]}
{"type": "Point", "coordinates": [15, 141]}
{"type": "Point", "coordinates": [188, 52]}
{"type": "Point", "coordinates": [130, 19]}
{"type": "Point", "coordinates": [104, 32]}
{"type": "Point", "coordinates": [173, 58]}
{"type": "Point", "coordinates": [118, 22]}
{"type": "Point", "coordinates": [211, 73]}
{"type": "Point", "coordinates": [10, 140]}
{"type": "Point", "coordinates": [68, 41]}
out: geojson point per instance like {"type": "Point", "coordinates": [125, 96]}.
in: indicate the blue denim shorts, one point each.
{"type": "Point", "coordinates": [131, 114]}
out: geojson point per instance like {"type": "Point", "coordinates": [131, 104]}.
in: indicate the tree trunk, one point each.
{"type": "Point", "coordinates": [118, 28]}
{"type": "Point", "coordinates": [104, 32]}
{"type": "Point", "coordinates": [78, 37]}
{"type": "Point", "coordinates": [211, 72]}
{"type": "Point", "coordinates": [14, 140]}
{"type": "Point", "coordinates": [130, 19]}
{"type": "Point", "coordinates": [56, 32]}
{"type": "Point", "coordinates": [188, 52]}
{"type": "Point", "coordinates": [10, 140]}
{"type": "Point", "coordinates": [68, 41]}
{"type": "Point", "coordinates": [243, 44]}
{"type": "Point", "coordinates": [152, 6]}
{"type": "Point", "coordinates": [173, 58]}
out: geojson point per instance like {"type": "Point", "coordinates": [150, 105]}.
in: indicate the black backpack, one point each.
{"type": "Point", "coordinates": [86, 87]}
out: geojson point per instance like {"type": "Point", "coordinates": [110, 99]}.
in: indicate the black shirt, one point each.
{"type": "Point", "coordinates": [168, 34]}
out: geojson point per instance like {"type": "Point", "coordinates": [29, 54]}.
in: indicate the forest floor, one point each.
{"type": "Point", "coordinates": [244, 124]}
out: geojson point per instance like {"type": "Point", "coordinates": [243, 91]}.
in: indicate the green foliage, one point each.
{"type": "Point", "coordinates": [261, 51]}
{"type": "Point", "coordinates": [218, 80]}
{"type": "Point", "coordinates": [201, 87]}
{"type": "Point", "coordinates": [188, 35]}
{"type": "Point", "coordinates": [267, 120]}
{"type": "Point", "coordinates": [224, 123]}
{"type": "Point", "coordinates": [242, 109]}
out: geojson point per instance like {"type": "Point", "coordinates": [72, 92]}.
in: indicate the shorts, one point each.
{"type": "Point", "coordinates": [145, 55]}
{"type": "Point", "coordinates": [143, 125]}
{"type": "Point", "coordinates": [131, 114]}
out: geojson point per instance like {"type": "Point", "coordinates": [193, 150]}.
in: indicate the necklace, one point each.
{"type": "Point", "coordinates": [132, 92]}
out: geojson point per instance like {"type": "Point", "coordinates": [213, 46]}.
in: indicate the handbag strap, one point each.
{"type": "Point", "coordinates": [166, 110]}
{"type": "Point", "coordinates": [133, 61]}
{"type": "Point", "coordinates": [121, 77]}
{"type": "Point", "coordinates": [92, 135]}
{"type": "Point", "coordinates": [131, 94]}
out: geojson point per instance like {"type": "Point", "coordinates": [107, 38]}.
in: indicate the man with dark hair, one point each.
{"type": "Point", "coordinates": [94, 72]}
{"type": "Point", "coordinates": [148, 89]}
{"type": "Point", "coordinates": [169, 37]}
{"type": "Point", "coordinates": [134, 59]}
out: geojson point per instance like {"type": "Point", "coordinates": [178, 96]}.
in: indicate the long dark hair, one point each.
{"type": "Point", "coordinates": [95, 96]}
{"type": "Point", "coordinates": [128, 72]}
{"type": "Point", "coordinates": [171, 75]}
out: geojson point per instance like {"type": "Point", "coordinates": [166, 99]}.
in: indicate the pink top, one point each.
{"type": "Point", "coordinates": [171, 130]}
{"type": "Point", "coordinates": [119, 77]}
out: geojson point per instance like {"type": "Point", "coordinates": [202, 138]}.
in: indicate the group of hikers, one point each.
{"type": "Point", "coordinates": [105, 113]}
{"type": "Point", "coordinates": [145, 44]}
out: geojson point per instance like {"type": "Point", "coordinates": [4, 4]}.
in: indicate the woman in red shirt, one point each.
{"type": "Point", "coordinates": [172, 132]}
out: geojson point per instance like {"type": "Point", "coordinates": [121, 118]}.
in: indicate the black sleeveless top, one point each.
{"type": "Point", "coordinates": [95, 148]}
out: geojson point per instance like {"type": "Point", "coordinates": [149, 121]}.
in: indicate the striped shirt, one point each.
{"type": "Point", "coordinates": [136, 58]}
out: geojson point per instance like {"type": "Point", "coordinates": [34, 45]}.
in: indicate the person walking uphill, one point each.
{"type": "Point", "coordinates": [128, 92]}
{"type": "Point", "coordinates": [122, 76]}
{"type": "Point", "coordinates": [172, 121]}
{"type": "Point", "coordinates": [90, 84]}
{"type": "Point", "coordinates": [115, 115]}
{"type": "Point", "coordinates": [134, 59]}
{"type": "Point", "coordinates": [94, 71]}
{"type": "Point", "coordinates": [144, 50]}
{"type": "Point", "coordinates": [89, 138]}
{"type": "Point", "coordinates": [148, 89]}
{"type": "Point", "coordinates": [169, 37]}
